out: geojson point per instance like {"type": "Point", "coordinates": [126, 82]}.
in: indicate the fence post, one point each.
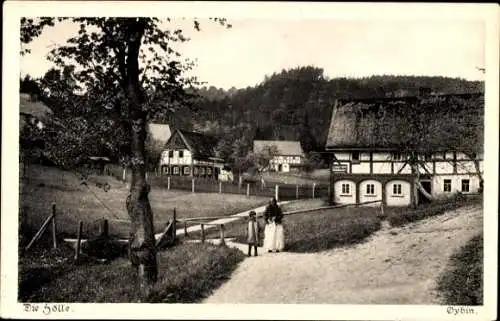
{"type": "Point", "coordinates": [78, 241]}
{"type": "Point", "coordinates": [146, 175]}
{"type": "Point", "coordinates": [202, 233]}
{"type": "Point", "coordinates": [174, 225]}
{"type": "Point", "coordinates": [54, 226]}
{"type": "Point", "coordinates": [185, 229]}
{"type": "Point", "coordinates": [382, 207]}
{"type": "Point", "coordinates": [222, 241]}
{"type": "Point", "coordinates": [192, 185]}
{"type": "Point", "coordinates": [248, 189]}
{"type": "Point", "coordinates": [276, 192]}
{"type": "Point", "coordinates": [124, 175]}
{"type": "Point", "coordinates": [220, 187]}
{"type": "Point", "coordinates": [297, 191]}
{"type": "Point", "coordinates": [314, 187]}
{"type": "Point", "coordinates": [40, 231]}
{"type": "Point", "coordinates": [168, 182]}
{"type": "Point", "coordinates": [105, 228]}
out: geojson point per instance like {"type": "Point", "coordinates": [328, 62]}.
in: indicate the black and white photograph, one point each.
{"type": "Point", "coordinates": [313, 160]}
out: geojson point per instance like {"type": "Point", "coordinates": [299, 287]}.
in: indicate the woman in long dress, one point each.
{"type": "Point", "coordinates": [273, 232]}
{"type": "Point", "coordinates": [279, 236]}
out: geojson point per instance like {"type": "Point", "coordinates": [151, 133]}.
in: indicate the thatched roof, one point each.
{"type": "Point", "coordinates": [434, 122]}
{"type": "Point", "coordinates": [284, 147]}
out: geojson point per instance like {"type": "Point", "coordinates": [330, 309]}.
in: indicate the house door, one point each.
{"type": "Point", "coordinates": [428, 188]}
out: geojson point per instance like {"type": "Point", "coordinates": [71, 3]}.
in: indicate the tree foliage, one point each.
{"type": "Point", "coordinates": [123, 72]}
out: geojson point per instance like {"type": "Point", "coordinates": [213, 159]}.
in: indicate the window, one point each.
{"type": "Point", "coordinates": [170, 153]}
{"type": "Point", "coordinates": [186, 170]}
{"type": "Point", "coordinates": [209, 171]}
{"type": "Point", "coordinates": [397, 190]}
{"type": "Point", "coordinates": [195, 170]}
{"type": "Point", "coordinates": [202, 170]}
{"type": "Point", "coordinates": [346, 189]}
{"type": "Point", "coordinates": [166, 170]}
{"type": "Point", "coordinates": [465, 185]}
{"type": "Point", "coordinates": [447, 185]}
{"type": "Point", "coordinates": [370, 189]}
{"type": "Point", "coordinates": [175, 170]}
{"type": "Point", "coordinates": [181, 153]}
{"type": "Point", "coordinates": [355, 156]}
{"type": "Point", "coordinates": [398, 156]}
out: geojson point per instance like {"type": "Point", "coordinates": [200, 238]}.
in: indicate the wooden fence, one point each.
{"type": "Point", "coordinates": [169, 235]}
{"type": "Point", "coordinates": [211, 185]}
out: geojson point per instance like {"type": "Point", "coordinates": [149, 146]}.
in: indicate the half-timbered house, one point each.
{"type": "Point", "coordinates": [189, 153]}
{"type": "Point", "coordinates": [406, 150]}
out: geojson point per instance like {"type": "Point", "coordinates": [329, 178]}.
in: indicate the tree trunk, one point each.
{"type": "Point", "coordinates": [142, 248]}
{"type": "Point", "coordinates": [478, 171]}
{"type": "Point", "coordinates": [417, 185]}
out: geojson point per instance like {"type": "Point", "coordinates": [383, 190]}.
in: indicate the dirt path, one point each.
{"type": "Point", "coordinates": [396, 266]}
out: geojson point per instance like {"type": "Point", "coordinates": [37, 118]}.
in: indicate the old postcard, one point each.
{"type": "Point", "coordinates": [235, 160]}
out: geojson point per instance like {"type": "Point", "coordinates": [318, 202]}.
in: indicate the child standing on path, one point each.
{"type": "Point", "coordinates": [253, 233]}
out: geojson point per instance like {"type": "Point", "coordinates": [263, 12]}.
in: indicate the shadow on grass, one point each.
{"type": "Point", "coordinates": [187, 274]}
{"type": "Point", "coordinates": [462, 281]}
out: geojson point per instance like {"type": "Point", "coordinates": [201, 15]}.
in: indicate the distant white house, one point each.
{"type": "Point", "coordinates": [289, 154]}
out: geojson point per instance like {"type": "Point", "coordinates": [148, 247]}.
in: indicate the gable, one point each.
{"type": "Point", "coordinates": [176, 142]}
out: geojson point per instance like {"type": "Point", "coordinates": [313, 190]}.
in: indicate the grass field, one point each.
{"type": "Point", "coordinates": [324, 229]}
{"type": "Point", "coordinates": [76, 202]}
{"type": "Point", "coordinates": [187, 274]}
{"type": "Point", "coordinates": [462, 281]}
{"type": "Point", "coordinates": [296, 178]}
{"type": "Point", "coordinates": [315, 231]}
{"type": "Point", "coordinates": [405, 215]}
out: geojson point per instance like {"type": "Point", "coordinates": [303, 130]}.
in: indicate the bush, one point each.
{"type": "Point", "coordinates": [405, 215]}
{"type": "Point", "coordinates": [187, 273]}
{"type": "Point", "coordinates": [462, 281]}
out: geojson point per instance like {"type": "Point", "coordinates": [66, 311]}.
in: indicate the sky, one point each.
{"type": "Point", "coordinates": [253, 48]}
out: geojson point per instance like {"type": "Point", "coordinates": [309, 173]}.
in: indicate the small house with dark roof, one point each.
{"type": "Point", "coordinates": [372, 141]}
{"type": "Point", "coordinates": [189, 153]}
{"type": "Point", "coordinates": [289, 154]}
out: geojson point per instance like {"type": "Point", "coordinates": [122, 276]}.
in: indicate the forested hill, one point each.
{"type": "Point", "coordinates": [296, 104]}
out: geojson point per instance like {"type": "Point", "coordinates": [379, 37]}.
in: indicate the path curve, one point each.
{"type": "Point", "coordinates": [395, 266]}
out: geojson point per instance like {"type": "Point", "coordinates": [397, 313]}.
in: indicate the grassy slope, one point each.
{"type": "Point", "coordinates": [315, 231]}
{"type": "Point", "coordinates": [187, 274]}
{"type": "Point", "coordinates": [462, 281]}
{"type": "Point", "coordinates": [325, 229]}
{"type": "Point", "coordinates": [75, 202]}
{"type": "Point", "coordinates": [405, 215]}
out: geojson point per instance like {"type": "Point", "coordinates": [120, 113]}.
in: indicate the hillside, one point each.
{"type": "Point", "coordinates": [296, 104]}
